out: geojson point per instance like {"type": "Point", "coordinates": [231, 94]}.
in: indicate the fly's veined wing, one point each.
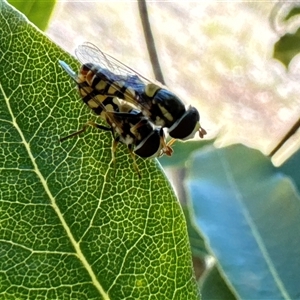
{"type": "Point", "coordinates": [118, 73]}
{"type": "Point", "coordinates": [124, 69]}
{"type": "Point", "coordinates": [89, 53]}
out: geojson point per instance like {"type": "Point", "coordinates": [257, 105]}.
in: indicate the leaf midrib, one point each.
{"type": "Point", "coordinates": [255, 232]}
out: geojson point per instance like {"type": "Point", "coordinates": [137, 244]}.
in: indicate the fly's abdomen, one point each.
{"type": "Point", "coordinates": [97, 89]}
{"type": "Point", "coordinates": [102, 87]}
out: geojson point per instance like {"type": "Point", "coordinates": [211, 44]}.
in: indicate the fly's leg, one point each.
{"type": "Point", "coordinates": [138, 125]}
{"type": "Point", "coordinates": [171, 142]}
{"type": "Point", "coordinates": [113, 151]}
{"type": "Point", "coordinates": [167, 149]}
{"type": "Point", "coordinates": [130, 148]}
{"type": "Point", "coordinates": [85, 126]}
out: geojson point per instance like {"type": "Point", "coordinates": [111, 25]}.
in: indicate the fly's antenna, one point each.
{"type": "Point", "coordinates": [67, 68]}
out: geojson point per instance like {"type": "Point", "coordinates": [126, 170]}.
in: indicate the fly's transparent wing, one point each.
{"type": "Point", "coordinates": [89, 53]}
{"type": "Point", "coordinates": [119, 75]}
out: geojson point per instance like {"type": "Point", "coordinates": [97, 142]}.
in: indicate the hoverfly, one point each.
{"type": "Point", "coordinates": [156, 102]}
{"type": "Point", "coordinates": [127, 124]}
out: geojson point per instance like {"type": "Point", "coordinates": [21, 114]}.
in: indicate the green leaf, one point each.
{"type": "Point", "coordinates": [249, 214]}
{"type": "Point", "coordinates": [197, 243]}
{"type": "Point", "coordinates": [291, 169]}
{"type": "Point", "coordinates": [214, 287]}
{"type": "Point", "coordinates": [287, 47]}
{"type": "Point", "coordinates": [293, 12]}
{"type": "Point", "coordinates": [37, 11]}
{"type": "Point", "coordinates": [72, 226]}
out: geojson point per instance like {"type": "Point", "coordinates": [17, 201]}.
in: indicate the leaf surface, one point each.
{"type": "Point", "coordinates": [249, 214]}
{"type": "Point", "coordinates": [214, 287]}
{"type": "Point", "coordinates": [72, 226]}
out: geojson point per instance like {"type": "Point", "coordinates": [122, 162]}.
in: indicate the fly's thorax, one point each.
{"type": "Point", "coordinates": [186, 127]}
{"type": "Point", "coordinates": [165, 107]}
{"type": "Point", "coordinates": [167, 117]}
{"type": "Point", "coordinates": [169, 104]}
{"type": "Point", "coordinates": [142, 129]}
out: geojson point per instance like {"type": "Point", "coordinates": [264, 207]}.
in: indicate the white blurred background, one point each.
{"type": "Point", "coordinates": [215, 55]}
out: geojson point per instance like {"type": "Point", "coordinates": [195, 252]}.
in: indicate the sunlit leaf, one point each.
{"type": "Point", "coordinates": [249, 213]}
{"type": "Point", "coordinates": [72, 226]}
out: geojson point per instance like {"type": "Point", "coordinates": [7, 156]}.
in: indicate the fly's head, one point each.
{"type": "Point", "coordinates": [186, 127]}
{"type": "Point", "coordinates": [153, 145]}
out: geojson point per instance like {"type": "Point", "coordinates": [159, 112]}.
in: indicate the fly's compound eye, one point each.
{"type": "Point", "coordinates": [186, 127]}
{"type": "Point", "coordinates": [150, 146]}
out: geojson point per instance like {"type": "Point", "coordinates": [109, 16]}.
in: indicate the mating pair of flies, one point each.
{"type": "Point", "coordinates": [135, 109]}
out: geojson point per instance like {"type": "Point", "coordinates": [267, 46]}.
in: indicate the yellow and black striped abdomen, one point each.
{"type": "Point", "coordinates": [100, 89]}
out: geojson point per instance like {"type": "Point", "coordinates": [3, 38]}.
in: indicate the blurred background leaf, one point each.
{"type": "Point", "coordinates": [182, 150]}
{"type": "Point", "coordinates": [214, 287]}
{"type": "Point", "coordinates": [295, 10]}
{"type": "Point", "coordinates": [287, 47]}
{"type": "Point", "coordinates": [37, 11]}
{"type": "Point", "coordinates": [249, 214]}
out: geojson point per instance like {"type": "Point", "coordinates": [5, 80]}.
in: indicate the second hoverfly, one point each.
{"type": "Point", "coordinates": [127, 124]}
{"type": "Point", "coordinates": [156, 102]}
